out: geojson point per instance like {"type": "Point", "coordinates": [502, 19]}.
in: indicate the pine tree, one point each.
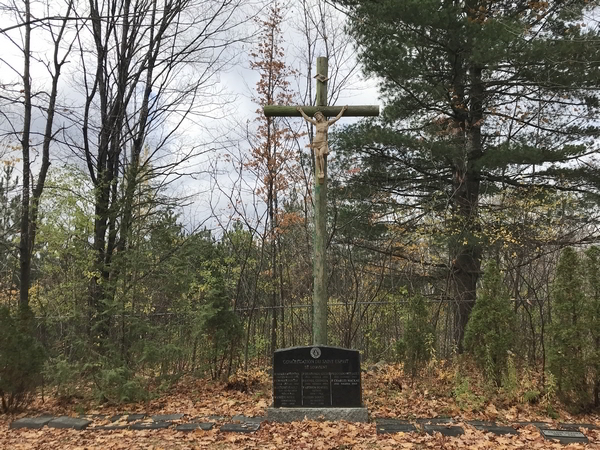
{"type": "Point", "coordinates": [21, 359]}
{"type": "Point", "coordinates": [490, 332]}
{"type": "Point", "coordinates": [222, 327]}
{"type": "Point", "coordinates": [479, 94]}
{"type": "Point", "coordinates": [567, 353]}
{"type": "Point", "coordinates": [9, 226]}
{"type": "Point", "coordinates": [418, 331]}
{"type": "Point", "coordinates": [592, 316]}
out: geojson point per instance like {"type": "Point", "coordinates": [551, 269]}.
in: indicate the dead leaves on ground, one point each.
{"type": "Point", "coordinates": [296, 436]}
{"type": "Point", "coordinates": [385, 392]}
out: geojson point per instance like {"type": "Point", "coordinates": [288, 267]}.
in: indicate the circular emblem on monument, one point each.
{"type": "Point", "coordinates": [315, 352]}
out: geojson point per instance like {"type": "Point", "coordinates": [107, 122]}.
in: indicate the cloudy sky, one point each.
{"type": "Point", "coordinates": [218, 131]}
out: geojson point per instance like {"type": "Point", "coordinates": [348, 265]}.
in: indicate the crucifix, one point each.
{"type": "Point", "coordinates": [319, 145]}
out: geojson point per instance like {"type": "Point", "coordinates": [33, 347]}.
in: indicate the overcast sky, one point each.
{"type": "Point", "coordinates": [221, 135]}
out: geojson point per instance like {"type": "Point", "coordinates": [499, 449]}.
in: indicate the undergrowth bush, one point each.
{"type": "Point", "coordinates": [465, 397]}
{"type": "Point", "coordinates": [510, 382]}
{"type": "Point", "coordinates": [569, 351]}
{"type": "Point", "coordinates": [489, 333]}
{"type": "Point", "coordinates": [222, 330]}
{"type": "Point", "coordinates": [593, 318]}
{"type": "Point", "coordinates": [21, 359]}
{"type": "Point", "coordinates": [120, 385]}
{"type": "Point", "coordinates": [62, 375]}
{"type": "Point", "coordinates": [415, 346]}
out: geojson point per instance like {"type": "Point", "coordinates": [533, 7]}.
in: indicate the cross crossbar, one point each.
{"type": "Point", "coordinates": [328, 111]}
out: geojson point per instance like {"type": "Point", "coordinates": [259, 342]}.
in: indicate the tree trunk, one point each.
{"type": "Point", "coordinates": [24, 245]}
{"type": "Point", "coordinates": [467, 252]}
{"type": "Point", "coordinates": [273, 232]}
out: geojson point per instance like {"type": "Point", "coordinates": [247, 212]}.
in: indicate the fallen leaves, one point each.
{"type": "Point", "coordinates": [491, 411]}
{"type": "Point", "coordinates": [297, 435]}
{"type": "Point", "coordinates": [203, 398]}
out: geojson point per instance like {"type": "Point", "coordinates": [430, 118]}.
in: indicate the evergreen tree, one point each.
{"type": "Point", "coordinates": [21, 359]}
{"type": "Point", "coordinates": [221, 328]}
{"type": "Point", "coordinates": [9, 226]}
{"type": "Point", "coordinates": [567, 356]}
{"type": "Point", "coordinates": [489, 335]}
{"type": "Point", "coordinates": [418, 332]}
{"type": "Point", "coordinates": [592, 316]}
{"type": "Point", "coordinates": [479, 94]}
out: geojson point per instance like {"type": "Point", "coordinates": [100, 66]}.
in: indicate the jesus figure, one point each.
{"type": "Point", "coordinates": [319, 144]}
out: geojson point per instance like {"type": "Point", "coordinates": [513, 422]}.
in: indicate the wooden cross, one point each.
{"type": "Point", "coordinates": [319, 330]}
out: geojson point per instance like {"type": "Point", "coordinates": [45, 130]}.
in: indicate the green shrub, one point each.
{"type": "Point", "coordinates": [464, 396]}
{"type": "Point", "coordinates": [489, 334]}
{"type": "Point", "coordinates": [119, 385]}
{"type": "Point", "coordinates": [21, 359]}
{"type": "Point", "coordinates": [414, 348]}
{"type": "Point", "coordinates": [531, 396]}
{"type": "Point", "coordinates": [222, 329]}
{"type": "Point", "coordinates": [569, 332]}
{"type": "Point", "coordinates": [510, 382]}
{"type": "Point", "coordinates": [62, 375]}
{"type": "Point", "coordinates": [549, 394]}
{"type": "Point", "coordinates": [593, 318]}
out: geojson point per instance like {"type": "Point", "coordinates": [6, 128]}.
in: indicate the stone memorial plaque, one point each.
{"type": "Point", "coordinates": [564, 436]}
{"type": "Point", "coordinates": [150, 425]}
{"type": "Point", "coordinates": [384, 426]}
{"type": "Point", "coordinates": [316, 377]}
{"type": "Point", "coordinates": [436, 421]}
{"type": "Point", "coordinates": [34, 423]}
{"type": "Point", "coordinates": [495, 429]}
{"type": "Point", "coordinates": [134, 417]}
{"type": "Point", "coordinates": [451, 431]}
{"type": "Point", "coordinates": [240, 427]}
{"type": "Point", "coordinates": [577, 426]}
{"type": "Point", "coordinates": [193, 426]}
{"type": "Point", "coordinates": [69, 422]}
{"type": "Point", "coordinates": [111, 427]}
{"type": "Point", "coordinates": [481, 423]}
{"type": "Point", "coordinates": [166, 417]}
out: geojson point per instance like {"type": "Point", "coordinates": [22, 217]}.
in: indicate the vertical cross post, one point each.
{"type": "Point", "coordinates": [319, 312]}
{"type": "Point", "coordinates": [319, 326]}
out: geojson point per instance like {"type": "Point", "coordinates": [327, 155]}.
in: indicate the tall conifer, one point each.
{"type": "Point", "coordinates": [593, 317]}
{"type": "Point", "coordinates": [479, 94]}
{"type": "Point", "coordinates": [489, 334]}
{"type": "Point", "coordinates": [567, 354]}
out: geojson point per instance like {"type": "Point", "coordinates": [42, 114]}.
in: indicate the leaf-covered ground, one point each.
{"type": "Point", "coordinates": [385, 392]}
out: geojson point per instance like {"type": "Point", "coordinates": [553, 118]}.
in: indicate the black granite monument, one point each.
{"type": "Point", "coordinates": [321, 377]}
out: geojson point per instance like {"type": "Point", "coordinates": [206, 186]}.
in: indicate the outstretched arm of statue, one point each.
{"type": "Point", "coordinates": [336, 118]}
{"type": "Point", "coordinates": [314, 122]}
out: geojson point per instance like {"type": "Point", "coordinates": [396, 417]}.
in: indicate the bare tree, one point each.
{"type": "Point", "coordinates": [150, 69]}
{"type": "Point", "coordinates": [23, 96]}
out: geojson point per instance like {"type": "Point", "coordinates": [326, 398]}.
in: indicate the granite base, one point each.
{"type": "Point", "coordinates": [329, 414]}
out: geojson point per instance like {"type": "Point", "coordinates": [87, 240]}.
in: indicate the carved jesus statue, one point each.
{"type": "Point", "coordinates": [319, 144]}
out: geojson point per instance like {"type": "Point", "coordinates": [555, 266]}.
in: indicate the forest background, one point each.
{"type": "Point", "coordinates": [148, 229]}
